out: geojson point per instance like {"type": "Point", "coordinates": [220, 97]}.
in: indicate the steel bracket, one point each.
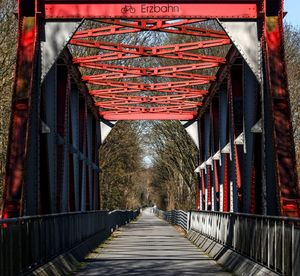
{"type": "Point", "coordinates": [56, 36]}
{"type": "Point", "coordinates": [192, 129]}
{"type": "Point", "coordinates": [245, 37]}
{"type": "Point", "coordinates": [106, 127]}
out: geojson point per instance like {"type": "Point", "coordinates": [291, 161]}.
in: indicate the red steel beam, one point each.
{"type": "Point", "coordinates": [178, 105]}
{"type": "Point", "coordinates": [150, 51]}
{"type": "Point", "coordinates": [198, 196]}
{"type": "Point", "coordinates": [114, 76]}
{"type": "Point", "coordinates": [168, 71]}
{"type": "Point", "coordinates": [143, 109]}
{"type": "Point", "coordinates": [124, 27]}
{"type": "Point", "coordinates": [112, 91]}
{"type": "Point", "coordinates": [198, 9]}
{"type": "Point", "coordinates": [153, 109]}
{"type": "Point", "coordinates": [90, 62]}
{"type": "Point", "coordinates": [148, 99]}
{"type": "Point", "coordinates": [150, 86]}
{"type": "Point", "coordinates": [148, 116]}
{"type": "Point", "coordinates": [120, 55]}
{"type": "Point", "coordinates": [226, 188]}
{"type": "Point", "coordinates": [13, 194]}
{"type": "Point", "coordinates": [172, 103]}
{"type": "Point", "coordinates": [150, 24]}
{"type": "Point", "coordinates": [117, 91]}
{"type": "Point", "coordinates": [282, 131]}
{"type": "Point", "coordinates": [149, 71]}
{"type": "Point", "coordinates": [175, 102]}
{"type": "Point", "coordinates": [152, 1]}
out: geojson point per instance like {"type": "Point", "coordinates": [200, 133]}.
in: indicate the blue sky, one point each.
{"type": "Point", "coordinates": [293, 9]}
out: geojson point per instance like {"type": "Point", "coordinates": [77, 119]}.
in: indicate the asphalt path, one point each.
{"type": "Point", "coordinates": [149, 246]}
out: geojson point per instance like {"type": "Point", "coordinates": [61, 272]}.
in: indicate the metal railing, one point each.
{"type": "Point", "coordinates": [28, 242]}
{"type": "Point", "coordinates": [175, 217]}
{"type": "Point", "coordinates": [271, 241]}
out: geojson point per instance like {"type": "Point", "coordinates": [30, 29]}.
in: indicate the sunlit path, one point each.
{"type": "Point", "coordinates": [150, 247]}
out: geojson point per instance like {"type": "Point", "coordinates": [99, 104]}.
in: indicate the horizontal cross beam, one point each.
{"type": "Point", "coordinates": [120, 55]}
{"type": "Point", "coordinates": [182, 116]}
{"type": "Point", "coordinates": [62, 9]}
{"type": "Point", "coordinates": [124, 27]}
{"type": "Point", "coordinates": [150, 24]}
{"type": "Point", "coordinates": [150, 86]}
{"type": "Point", "coordinates": [148, 99]}
{"type": "Point", "coordinates": [113, 76]}
{"type": "Point", "coordinates": [117, 91]}
{"type": "Point", "coordinates": [168, 71]}
{"type": "Point", "coordinates": [163, 108]}
{"type": "Point", "coordinates": [150, 51]}
{"type": "Point", "coordinates": [174, 105]}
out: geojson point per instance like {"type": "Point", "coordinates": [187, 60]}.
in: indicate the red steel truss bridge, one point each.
{"type": "Point", "coordinates": [217, 66]}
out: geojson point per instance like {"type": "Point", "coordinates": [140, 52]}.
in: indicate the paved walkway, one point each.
{"type": "Point", "coordinates": [150, 247]}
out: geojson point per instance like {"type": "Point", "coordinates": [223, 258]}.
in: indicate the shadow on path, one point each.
{"type": "Point", "coordinates": [147, 247]}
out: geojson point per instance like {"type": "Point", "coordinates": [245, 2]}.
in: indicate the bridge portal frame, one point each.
{"type": "Point", "coordinates": [278, 160]}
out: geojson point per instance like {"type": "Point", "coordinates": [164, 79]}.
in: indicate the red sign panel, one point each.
{"type": "Point", "coordinates": [175, 10]}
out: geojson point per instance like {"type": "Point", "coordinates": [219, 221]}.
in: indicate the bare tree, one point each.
{"type": "Point", "coordinates": [174, 161]}
{"type": "Point", "coordinates": [292, 53]}
{"type": "Point", "coordinates": [8, 42]}
{"type": "Point", "coordinates": [121, 165]}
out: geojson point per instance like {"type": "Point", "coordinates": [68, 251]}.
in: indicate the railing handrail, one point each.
{"type": "Point", "coordinates": [26, 218]}
{"type": "Point", "coordinates": [120, 210]}
{"type": "Point", "coordinates": [268, 240]}
{"type": "Point", "coordinates": [248, 215]}
{"type": "Point", "coordinates": [271, 241]}
{"type": "Point", "coordinates": [176, 217]}
{"type": "Point", "coordinates": [32, 241]}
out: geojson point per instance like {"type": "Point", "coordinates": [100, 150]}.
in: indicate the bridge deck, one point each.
{"type": "Point", "coordinates": [150, 246]}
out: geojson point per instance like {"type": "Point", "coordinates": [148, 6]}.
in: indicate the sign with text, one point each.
{"type": "Point", "coordinates": [71, 11]}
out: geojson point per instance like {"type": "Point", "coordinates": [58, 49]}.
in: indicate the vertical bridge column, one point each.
{"type": "Point", "coordinates": [49, 116]}
{"type": "Point", "coordinates": [250, 179]}
{"type": "Point", "coordinates": [214, 179]}
{"type": "Point", "coordinates": [223, 119]}
{"type": "Point", "coordinates": [63, 95]}
{"type": "Point", "coordinates": [90, 160]}
{"type": "Point", "coordinates": [74, 113]}
{"type": "Point", "coordinates": [280, 158]}
{"type": "Point", "coordinates": [207, 176]}
{"type": "Point", "coordinates": [22, 177]}
{"type": "Point", "coordinates": [83, 145]}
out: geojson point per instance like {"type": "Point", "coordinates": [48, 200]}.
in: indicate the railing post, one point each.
{"type": "Point", "coordinates": [283, 246]}
{"type": "Point", "coordinates": [269, 243]}
{"type": "Point", "coordinates": [275, 246]}
{"type": "Point", "coordinates": [293, 250]}
{"type": "Point", "coordinates": [188, 221]}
